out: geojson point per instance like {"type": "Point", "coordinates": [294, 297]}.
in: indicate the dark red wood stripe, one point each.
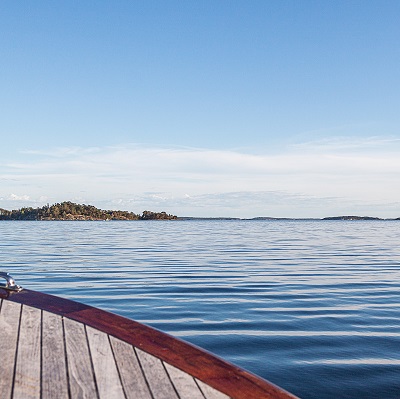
{"type": "Point", "coordinates": [221, 375]}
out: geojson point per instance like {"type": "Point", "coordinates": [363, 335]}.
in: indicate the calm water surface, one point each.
{"type": "Point", "coordinates": [311, 306]}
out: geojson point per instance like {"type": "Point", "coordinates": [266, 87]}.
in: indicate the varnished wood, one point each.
{"type": "Point", "coordinates": [222, 376]}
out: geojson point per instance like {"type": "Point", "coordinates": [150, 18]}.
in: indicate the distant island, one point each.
{"type": "Point", "coordinates": [351, 218]}
{"type": "Point", "coordinates": [71, 211]}
{"type": "Point", "coordinates": [270, 218]}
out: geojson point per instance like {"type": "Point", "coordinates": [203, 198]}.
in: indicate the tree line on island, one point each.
{"type": "Point", "coordinates": [70, 211]}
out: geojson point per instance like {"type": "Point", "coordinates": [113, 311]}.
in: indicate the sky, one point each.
{"type": "Point", "coordinates": [202, 108]}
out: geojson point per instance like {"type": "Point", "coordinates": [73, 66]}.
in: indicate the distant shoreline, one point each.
{"type": "Point", "coordinates": [195, 218]}
{"type": "Point", "coordinates": [334, 218]}
{"type": "Point", "coordinates": [69, 211]}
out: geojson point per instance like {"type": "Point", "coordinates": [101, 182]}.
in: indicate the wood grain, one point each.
{"type": "Point", "coordinates": [80, 370]}
{"type": "Point", "coordinates": [157, 378]}
{"type": "Point", "coordinates": [184, 383]}
{"type": "Point", "coordinates": [105, 369]}
{"type": "Point", "coordinates": [211, 393]}
{"type": "Point", "coordinates": [9, 325]}
{"type": "Point", "coordinates": [133, 380]}
{"type": "Point", "coordinates": [28, 362]}
{"type": "Point", "coordinates": [54, 367]}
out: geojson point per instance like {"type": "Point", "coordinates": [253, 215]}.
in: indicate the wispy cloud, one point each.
{"type": "Point", "coordinates": [305, 180]}
{"type": "Point", "coordinates": [377, 144]}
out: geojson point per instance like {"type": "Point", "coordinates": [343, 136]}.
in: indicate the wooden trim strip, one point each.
{"type": "Point", "coordinates": [219, 374]}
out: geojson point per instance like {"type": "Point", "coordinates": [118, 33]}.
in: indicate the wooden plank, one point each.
{"type": "Point", "coordinates": [80, 370]}
{"type": "Point", "coordinates": [156, 376]}
{"type": "Point", "coordinates": [133, 381]}
{"type": "Point", "coordinates": [107, 377]}
{"type": "Point", "coordinates": [27, 369]}
{"type": "Point", "coordinates": [211, 393]}
{"type": "Point", "coordinates": [9, 325]}
{"type": "Point", "coordinates": [54, 368]}
{"type": "Point", "coordinates": [221, 375]}
{"type": "Point", "coordinates": [184, 383]}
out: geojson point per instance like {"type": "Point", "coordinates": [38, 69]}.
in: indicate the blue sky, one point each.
{"type": "Point", "coordinates": [202, 108]}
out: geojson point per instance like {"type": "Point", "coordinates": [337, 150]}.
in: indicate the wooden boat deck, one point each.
{"type": "Point", "coordinates": [55, 348]}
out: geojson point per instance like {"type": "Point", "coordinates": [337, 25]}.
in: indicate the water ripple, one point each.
{"type": "Point", "coordinates": [312, 306]}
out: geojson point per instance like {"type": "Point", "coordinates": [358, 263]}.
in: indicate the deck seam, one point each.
{"type": "Point", "coordinates": [170, 379]}
{"type": "Point", "coordinates": [66, 358]}
{"type": "Point", "coordinates": [198, 385]}
{"type": "Point", "coordinates": [144, 374]}
{"type": "Point", "coordinates": [16, 352]}
{"type": "Point", "coordinates": [41, 355]}
{"type": "Point", "coordinates": [91, 362]}
{"type": "Point", "coordinates": [117, 367]}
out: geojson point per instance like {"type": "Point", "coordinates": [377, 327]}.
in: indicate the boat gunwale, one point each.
{"type": "Point", "coordinates": [226, 377]}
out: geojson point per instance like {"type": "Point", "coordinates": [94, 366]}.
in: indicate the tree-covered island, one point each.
{"type": "Point", "coordinates": [71, 211]}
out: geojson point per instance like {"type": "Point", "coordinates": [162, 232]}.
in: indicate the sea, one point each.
{"type": "Point", "coordinates": [312, 306]}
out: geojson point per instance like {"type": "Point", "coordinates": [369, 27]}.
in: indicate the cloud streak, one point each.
{"type": "Point", "coordinates": [306, 180]}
